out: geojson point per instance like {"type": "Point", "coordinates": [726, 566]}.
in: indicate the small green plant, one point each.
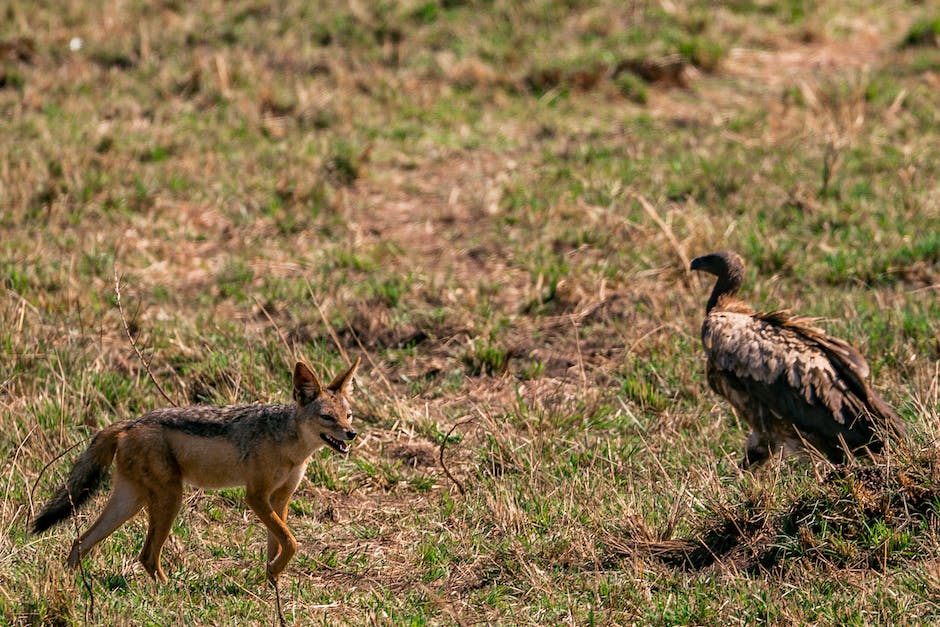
{"type": "Point", "coordinates": [342, 165]}
{"type": "Point", "coordinates": [643, 391]}
{"type": "Point", "coordinates": [924, 32]}
{"type": "Point", "coordinates": [391, 290]}
{"type": "Point", "coordinates": [233, 278]}
{"type": "Point", "coordinates": [703, 53]}
{"type": "Point", "coordinates": [632, 87]}
{"type": "Point", "coordinates": [486, 358]}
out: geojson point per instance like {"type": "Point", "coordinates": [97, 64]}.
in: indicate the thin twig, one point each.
{"type": "Point", "coordinates": [577, 342]}
{"type": "Point", "coordinates": [290, 350]}
{"type": "Point", "coordinates": [362, 348]}
{"type": "Point", "coordinates": [130, 337]}
{"type": "Point", "coordinates": [444, 604]}
{"type": "Point", "coordinates": [277, 604]}
{"type": "Point", "coordinates": [42, 472]}
{"type": "Point", "coordinates": [86, 583]}
{"type": "Point", "coordinates": [329, 327]}
{"type": "Point", "coordinates": [667, 231]}
{"type": "Point", "coordinates": [90, 608]}
{"type": "Point", "coordinates": [457, 483]}
{"type": "Point", "coordinates": [578, 316]}
{"type": "Point", "coordinates": [12, 459]}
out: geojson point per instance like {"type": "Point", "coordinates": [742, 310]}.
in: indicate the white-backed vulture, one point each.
{"type": "Point", "coordinates": [793, 384]}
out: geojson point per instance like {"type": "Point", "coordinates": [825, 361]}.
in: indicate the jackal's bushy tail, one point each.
{"type": "Point", "coordinates": [83, 480]}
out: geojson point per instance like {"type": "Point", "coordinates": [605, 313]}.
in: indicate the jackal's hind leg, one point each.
{"type": "Point", "coordinates": [125, 501]}
{"type": "Point", "coordinates": [161, 512]}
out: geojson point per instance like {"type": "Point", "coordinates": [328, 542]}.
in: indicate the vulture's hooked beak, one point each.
{"type": "Point", "coordinates": [699, 263]}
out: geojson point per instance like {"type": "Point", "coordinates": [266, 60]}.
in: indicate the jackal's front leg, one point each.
{"type": "Point", "coordinates": [260, 504]}
{"type": "Point", "coordinates": [280, 503]}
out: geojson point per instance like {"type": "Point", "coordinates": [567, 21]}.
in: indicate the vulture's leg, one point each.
{"type": "Point", "coordinates": [757, 450]}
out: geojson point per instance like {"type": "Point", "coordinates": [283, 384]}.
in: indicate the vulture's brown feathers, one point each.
{"type": "Point", "coordinates": [791, 382]}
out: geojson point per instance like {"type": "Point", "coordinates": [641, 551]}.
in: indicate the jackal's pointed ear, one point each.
{"type": "Point", "coordinates": [306, 385]}
{"type": "Point", "coordinates": [341, 382]}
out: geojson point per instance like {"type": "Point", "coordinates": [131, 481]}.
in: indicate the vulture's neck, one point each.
{"type": "Point", "coordinates": [725, 288]}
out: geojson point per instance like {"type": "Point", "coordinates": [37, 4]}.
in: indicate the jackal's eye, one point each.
{"type": "Point", "coordinates": [327, 418]}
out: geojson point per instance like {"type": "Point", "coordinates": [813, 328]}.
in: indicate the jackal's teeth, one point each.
{"type": "Point", "coordinates": [335, 444]}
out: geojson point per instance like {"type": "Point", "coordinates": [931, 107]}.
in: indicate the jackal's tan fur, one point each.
{"type": "Point", "coordinates": [265, 448]}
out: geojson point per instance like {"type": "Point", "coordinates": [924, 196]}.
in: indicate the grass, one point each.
{"type": "Point", "coordinates": [452, 188]}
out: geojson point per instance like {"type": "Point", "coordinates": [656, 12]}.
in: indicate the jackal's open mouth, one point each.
{"type": "Point", "coordinates": [336, 445]}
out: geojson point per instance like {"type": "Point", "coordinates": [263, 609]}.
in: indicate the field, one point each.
{"type": "Point", "coordinates": [494, 204]}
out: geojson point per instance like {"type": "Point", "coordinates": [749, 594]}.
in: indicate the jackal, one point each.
{"type": "Point", "coordinates": [265, 448]}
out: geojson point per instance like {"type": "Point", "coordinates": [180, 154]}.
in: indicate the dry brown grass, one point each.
{"type": "Point", "coordinates": [474, 198]}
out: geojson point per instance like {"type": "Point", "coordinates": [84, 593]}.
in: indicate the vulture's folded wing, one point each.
{"type": "Point", "coordinates": [795, 371]}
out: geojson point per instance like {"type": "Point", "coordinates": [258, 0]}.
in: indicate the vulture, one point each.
{"type": "Point", "coordinates": [797, 387]}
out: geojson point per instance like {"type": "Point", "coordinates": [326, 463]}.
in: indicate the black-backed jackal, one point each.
{"type": "Point", "coordinates": [265, 448]}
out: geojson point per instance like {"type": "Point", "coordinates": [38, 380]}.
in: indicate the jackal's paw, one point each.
{"type": "Point", "coordinates": [270, 574]}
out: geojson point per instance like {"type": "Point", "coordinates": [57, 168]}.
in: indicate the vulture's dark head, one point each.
{"type": "Point", "coordinates": [724, 263]}
{"type": "Point", "coordinates": [727, 266]}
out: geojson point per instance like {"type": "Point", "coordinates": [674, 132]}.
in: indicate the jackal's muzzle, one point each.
{"type": "Point", "coordinates": [340, 445]}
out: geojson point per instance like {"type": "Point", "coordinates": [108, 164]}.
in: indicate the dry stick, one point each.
{"type": "Point", "coordinates": [43, 471]}
{"type": "Point", "coordinates": [13, 460]}
{"type": "Point", "coordinates": [90, 608]}
{"type": "Point", "coordinates": [368, 355]}
{"type": "Point", "coordinates": [339, 346]}
{"type": "Point", "coordinates": [578, 316]}
{"type": "Point", "coordinates": [457, 483]}
{"type": "Point", "coordinates": [290, 350]}
{"type": "Point", "coordinates": [127, 330]}
{"type": "Point", "coordinates": [643, 337]}
{"type": "Point", "coordinates": [444, 604]}
{"type": "Point", "coordinates": [86, 583]}
{"type": "Point", "coordinates": [277, 604]}
{"type": "Point", "coordinates": [816, 455]}
{"type": "Point", "coordinates": [577, 341]}
{"type": "Point", "coordinates": [277, 590]}
{"type": "Point", "coordinates": [667, 231]}
{"type": "Point", "coordinates": [329, 327]}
